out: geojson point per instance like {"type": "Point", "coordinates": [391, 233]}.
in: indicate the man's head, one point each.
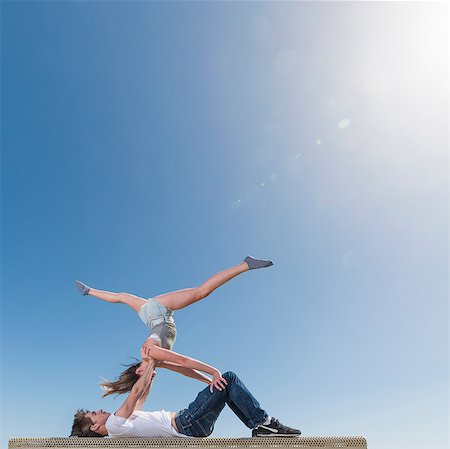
{"type": "Point", "coordinates": [89, 424]}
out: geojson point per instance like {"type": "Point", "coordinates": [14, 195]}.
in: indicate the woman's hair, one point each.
{"type": "Point", "coordinates": [124, 383]}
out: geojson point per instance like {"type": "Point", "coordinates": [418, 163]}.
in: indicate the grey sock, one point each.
{"type": "Point", "coordinates": [253, 263]}
{"type": "Point", "coordinates": [265, 422]}
{"type": "Point", "coordinates": [84, 289]}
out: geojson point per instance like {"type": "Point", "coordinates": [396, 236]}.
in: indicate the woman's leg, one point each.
{"type": "Point", "coordinates": [135, 302]}
{"type": "Point", "coordinates": [183, 298]}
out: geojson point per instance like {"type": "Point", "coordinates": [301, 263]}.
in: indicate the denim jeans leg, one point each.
{"type": "Point", "coordinates": [199, 418]}
{"type": "Point", "coordinates": [243, 403]}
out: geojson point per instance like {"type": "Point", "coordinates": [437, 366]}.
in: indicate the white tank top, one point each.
{"type": "Point", "coordinates": [142, 424]}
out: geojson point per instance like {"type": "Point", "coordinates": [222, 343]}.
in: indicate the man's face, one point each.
{"type": "Point", "coordinates": [98, 418]}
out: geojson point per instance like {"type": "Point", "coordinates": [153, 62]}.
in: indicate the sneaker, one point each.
{"type": "Point", "coordinates": [274, 429]}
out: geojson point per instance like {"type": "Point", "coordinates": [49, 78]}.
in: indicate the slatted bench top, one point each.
{"type": "Point", "coordinates": [163, 443]}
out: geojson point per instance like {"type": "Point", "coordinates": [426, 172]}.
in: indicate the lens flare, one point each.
{"type": "Point", "coordinates": [344, 123]}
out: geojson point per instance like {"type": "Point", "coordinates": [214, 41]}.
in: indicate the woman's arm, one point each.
{"type": "Point", "coordinates": [185, 371]}
{"type": "Point", "coordinates": [159, 354]}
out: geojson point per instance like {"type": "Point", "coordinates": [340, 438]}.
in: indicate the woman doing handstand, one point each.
{"type": "Point", "coordinates": [157, 313]}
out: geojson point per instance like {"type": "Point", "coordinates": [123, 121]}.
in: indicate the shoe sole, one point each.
{"type": "Point", "coordinates": [277, 435]}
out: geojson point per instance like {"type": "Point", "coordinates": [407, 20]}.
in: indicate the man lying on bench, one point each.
{"type": "Point", "coordinates": [195, 421]}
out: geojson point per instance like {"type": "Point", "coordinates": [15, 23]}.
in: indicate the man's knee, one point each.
{"type": "Point", "coordinates": [230, 376]}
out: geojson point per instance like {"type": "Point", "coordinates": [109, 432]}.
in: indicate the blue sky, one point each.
{"type": "Point", "coordinates": [146, 146]}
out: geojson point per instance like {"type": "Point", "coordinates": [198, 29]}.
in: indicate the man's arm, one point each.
{"type": "Point", "coordinates": [144, 397]}
{"type": "Point", "coordinates": [140, 388]}
{"type": "Point", "coordinates": [189, 372]}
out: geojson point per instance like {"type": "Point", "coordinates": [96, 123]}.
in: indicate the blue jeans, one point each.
{"type": "Point", "coordinates": [199, 418]}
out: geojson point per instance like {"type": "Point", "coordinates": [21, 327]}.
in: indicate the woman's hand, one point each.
{"type": "Point", "coordinates": [218, 381]}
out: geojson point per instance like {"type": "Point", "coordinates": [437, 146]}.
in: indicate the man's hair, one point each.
{"type": "Point", "coordinates": [81, 425]}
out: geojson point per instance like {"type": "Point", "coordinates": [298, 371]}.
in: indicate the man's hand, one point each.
{"type": "Point", "coordinates": [218, 381]}
{"type": "Point", "coordinates": [147, 347]}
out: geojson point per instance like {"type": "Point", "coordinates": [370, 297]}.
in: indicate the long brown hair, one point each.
{"type": "Point", "coordinates": [124, 383]}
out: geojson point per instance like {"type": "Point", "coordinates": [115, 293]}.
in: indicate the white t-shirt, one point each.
{"type": "Point", "coordinates": [142, 424]}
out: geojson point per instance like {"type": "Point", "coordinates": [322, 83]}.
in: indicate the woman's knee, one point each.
{"type": "Point", "coordinates": [135, 302]}
{"type": "Point", "coordinates": [124, 297]}
{"type": "Point", "coordinates": [201, 292]}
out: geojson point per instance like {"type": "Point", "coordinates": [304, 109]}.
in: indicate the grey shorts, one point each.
{"type": "Point", "coordinates": [159, 319]}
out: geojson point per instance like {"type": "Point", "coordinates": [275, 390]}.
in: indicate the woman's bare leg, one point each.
{"type": "Point", "coordinates": [135, 302]}
{"type": "Point", "coordinates": [183, 298]}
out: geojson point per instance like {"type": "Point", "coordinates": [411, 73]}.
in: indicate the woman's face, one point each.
{"type": "Point", "coordinates": [141, 368]}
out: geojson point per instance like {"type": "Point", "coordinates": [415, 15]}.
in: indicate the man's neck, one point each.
{"type": "Point", "coordinates": [102, 431]}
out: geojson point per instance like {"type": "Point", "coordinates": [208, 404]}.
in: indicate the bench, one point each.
{"type": "Point", "coordinates": [188, 443]}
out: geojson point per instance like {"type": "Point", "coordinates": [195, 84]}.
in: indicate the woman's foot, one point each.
{"type": "Point", "coordinates": [84, 289]}
{"type": "Point", "coordinates": [253, 263]}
